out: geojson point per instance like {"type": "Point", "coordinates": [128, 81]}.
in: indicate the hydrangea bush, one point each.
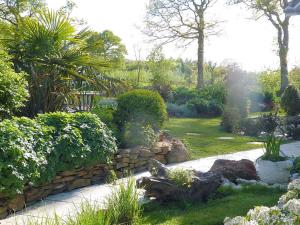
{"type": "Point", "coordinates": [287, 212]}
{"type": "Point", "coordinates": [33, 151]}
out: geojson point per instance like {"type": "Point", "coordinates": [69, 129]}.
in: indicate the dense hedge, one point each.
{"type": "Point", "coordinates": [142, 106]}
{"type": "Point", "coordinates": [34, 151]}
{"type": "Point", "coordinates": [208, 101]}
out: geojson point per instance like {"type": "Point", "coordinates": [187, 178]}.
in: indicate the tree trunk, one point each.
{"type": "Point", "coordinates": [283, 69]}
{"type": "Point", "coordinates": [200, 79]}
{"type": "Point", "coordinates": [283, 54]}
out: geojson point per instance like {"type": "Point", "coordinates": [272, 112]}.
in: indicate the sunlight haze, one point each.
{"type": "Point", "coordinates": [250, 43]}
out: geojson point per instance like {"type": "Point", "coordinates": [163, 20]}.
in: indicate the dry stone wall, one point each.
{"type": "Point", "coordinates": [124, 162]}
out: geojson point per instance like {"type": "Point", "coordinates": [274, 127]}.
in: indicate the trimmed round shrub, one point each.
{"type": "Point", "coordinates": [290, 101]}
{"type": "Point", "coordinates": [142, 106]}
{"type": "Point", "coordinates": [136, 135]}
{"type": "Point", "coordinates": [13, 87]}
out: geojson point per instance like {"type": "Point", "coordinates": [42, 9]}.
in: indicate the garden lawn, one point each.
{"type": "Point", "coordinates": [214, 212]}
{"type": "Point", "coordinates": [201, 135]}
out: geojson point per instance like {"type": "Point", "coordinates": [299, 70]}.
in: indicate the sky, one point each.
{"type": "Point", "coordinates": [252, 44]}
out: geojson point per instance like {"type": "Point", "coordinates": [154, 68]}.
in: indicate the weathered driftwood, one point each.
{"type": "Point", "coordinates": [164, 189]}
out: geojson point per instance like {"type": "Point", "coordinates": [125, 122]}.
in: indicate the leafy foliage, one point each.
{"type": "Point", "coordinates": [251, 126]}
{"type": "Point", "coordinates": [136, 134]}
{"type": "Point", "coordinates": [108, 46]}
{"type": "Point", "coordinates": [181, 177]}
{"type": "Point", "coordinates": [175, 110]}
{"type": "Point", "coordinates": [13, 87]}
{"type": "Point", "coordinates": [208, 101]}
{"type": "Point", "coordinates": [160, 70]}
{"type": "Point", "coordinates": [34, 151]}
{"type": "Point", "coordinates": [290, 101]}
{"type": "Point", "coordinates": [58, 59]}
{"type": "Point", "coordinates": [23, 145]}
{"type": "Point", "coordinates": [231, 119]}
{"type": "Point", "coordinates": [269, 122]}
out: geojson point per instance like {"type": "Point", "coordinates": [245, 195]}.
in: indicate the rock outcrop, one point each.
{"type": "Point", "coordinates": [232, 170]}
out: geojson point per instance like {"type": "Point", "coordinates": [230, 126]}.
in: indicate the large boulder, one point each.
{"type": "Point", "coordinates": [163, 189]}
{"type": "Point", "coordinates": [232, 170]}
{"type": "Point", "coordinates": [178, 152]}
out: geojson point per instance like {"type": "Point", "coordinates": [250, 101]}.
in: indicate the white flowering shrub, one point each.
{"type": "Point", "coordinates": [294, 185]}
{"type": "Point", "coordinates": [293, 207]}
{"type": "Point", "coordinates": [287, 212]}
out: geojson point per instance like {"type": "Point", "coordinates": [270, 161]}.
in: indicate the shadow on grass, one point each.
{"type": "Point", "coordinates": [227, 203]}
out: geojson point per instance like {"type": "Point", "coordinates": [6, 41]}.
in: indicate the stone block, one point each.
{"type": "Point", "coordinates": [17, 203]}
{"type": "Point", "coordinates": [3, 212]}
{"type": "Point", "coordinates": [68, 173]}
{"type": "Point", "coordinates": [33, 195]}
{"type": "Point", "coordinates": [64, 179]}
{"type": "Point", "coordinates": [146, 153]}
{"type": "Point", "coordinates": [79, 183]}
{"type": "Point", "coordinates": [164, 147]}
{"type": "Point", "coordinates": [121, 165]}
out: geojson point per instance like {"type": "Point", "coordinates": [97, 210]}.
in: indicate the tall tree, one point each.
{"type": "Point", "coordinates": [181, 20]}
{"type": "Point", "coordinates": [160, 69]}
{"type": "Point", "coordinates": [107, 45]}
{"type": "Point", "coordinates": [272, 10]}
{"type": "Point", "coordinates": [13, 10]}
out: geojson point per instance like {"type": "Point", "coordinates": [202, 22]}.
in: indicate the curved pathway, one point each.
{"type": "Point", "coordinates": [66, 204]}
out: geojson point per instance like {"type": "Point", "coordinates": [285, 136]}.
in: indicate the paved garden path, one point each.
{"type": "Point", "coordinates": [66, 204]}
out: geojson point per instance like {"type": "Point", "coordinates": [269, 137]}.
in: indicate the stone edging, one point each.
{"type": "Point", "coordinates": [124, 162]}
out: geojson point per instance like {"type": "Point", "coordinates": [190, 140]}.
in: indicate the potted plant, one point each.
{"type": "Point", "coordinates": [273, 167]}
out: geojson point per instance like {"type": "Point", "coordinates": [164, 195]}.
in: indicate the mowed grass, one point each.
{"type": "Point", "coordinates": [201, 136]}
{"type": "Point", "coordinates": [212, 213]}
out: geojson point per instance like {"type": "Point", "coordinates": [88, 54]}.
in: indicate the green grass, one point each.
{"type": "Point", "coordinates": [206, 142]}
{"type": "Point", "coordinates": [212, 213]}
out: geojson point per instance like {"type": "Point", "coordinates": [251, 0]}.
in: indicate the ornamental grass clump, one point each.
{"type": "Point", "coordinates": [123, 206]}
{"type": "Point", "coordinates": [181, 177]}
{"type": "Point", "coordinates": [272, 148]}
{"type": "Point", "coordinates": [85, 214]}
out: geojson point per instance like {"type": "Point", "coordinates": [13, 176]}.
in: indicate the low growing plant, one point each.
{"type": "Point", "coordinates": [181, 177]}
{"type": "Point", "coordinates": [269, 122]}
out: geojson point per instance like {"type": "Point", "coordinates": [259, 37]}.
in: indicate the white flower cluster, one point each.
{"type": "Point", "coordinates": [286, 213]}
{"type": "Point", "coordinates": [294, 185]}
{"type": "Point", "coordinates": [293, 207]}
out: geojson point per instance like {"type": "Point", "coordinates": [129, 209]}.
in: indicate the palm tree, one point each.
{"type": "Point", "coordinates": [57, 59]}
